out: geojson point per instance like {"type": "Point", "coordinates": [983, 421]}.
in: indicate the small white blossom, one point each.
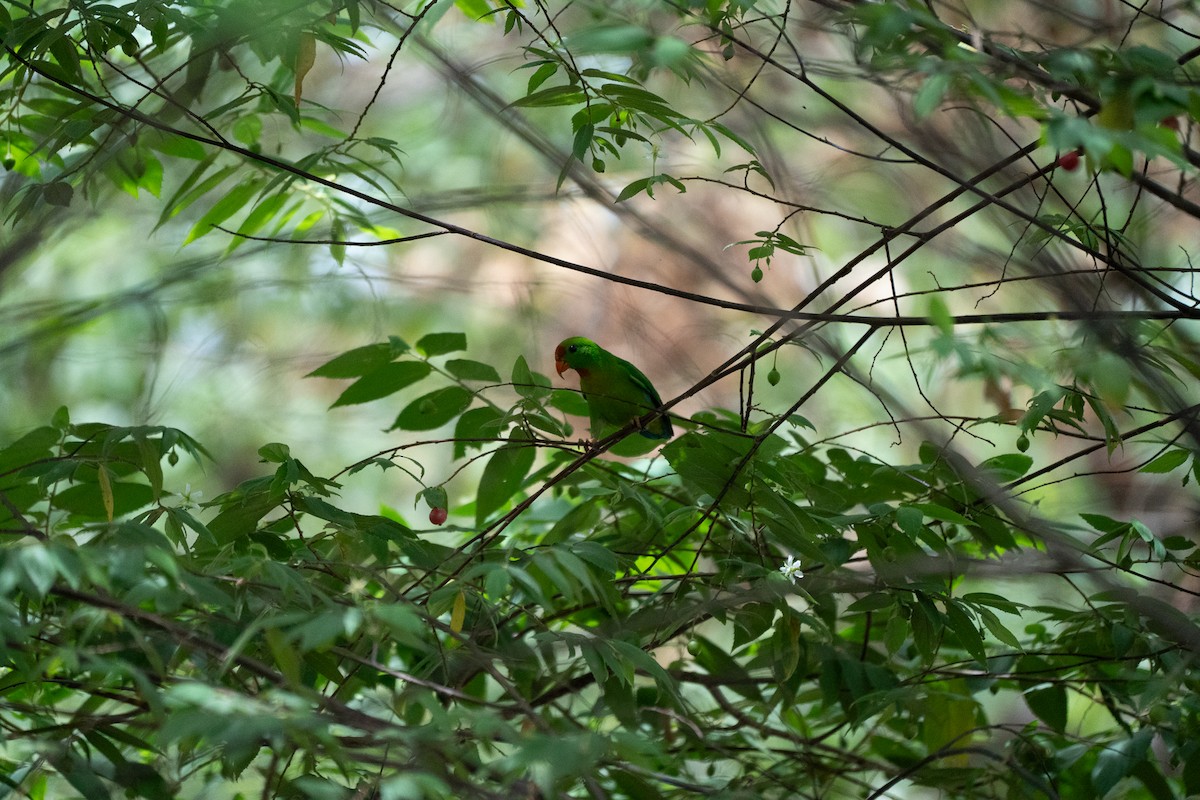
{"type": "Point", "coordinates": [791, 569]}
{"type": "Point", "coordinates": [185, 499]}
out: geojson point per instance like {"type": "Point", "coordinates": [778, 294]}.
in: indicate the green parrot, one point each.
{"type": "Point", "coordinates": [616, 391]}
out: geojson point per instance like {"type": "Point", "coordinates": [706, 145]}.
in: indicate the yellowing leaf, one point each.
{"type": "Point", "coordinates": [106, 493]}
{"type": "Point", "coordinates": [459, 612]}
{"type": "Point", "coordinates": [949, 721]}
{"type": "Point", "coordinates": [306, 55]}
{"type": "Point", "coordinates": [1116, 111]}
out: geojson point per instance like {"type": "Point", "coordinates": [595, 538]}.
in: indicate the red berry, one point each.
{"type": "Point", "coordinates": [1069, 161]}
{"type": "Point", "coordinates": [437, 515]}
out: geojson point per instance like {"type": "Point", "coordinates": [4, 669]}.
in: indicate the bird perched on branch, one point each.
{"type": "Point", "coordinates": [616, 391]}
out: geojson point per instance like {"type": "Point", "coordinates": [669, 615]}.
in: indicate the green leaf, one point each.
{"type": "Point", "coordinates": [1118, 761]}
{"type": "Point", "coordinates": [785, 648]}
{"type": "Point", "coordinates": [554, 96]}
{"type": "Point", "coordinates": [172, 145]}
{"type": "Point", "coordinates": [286, 659]}
{"type": "Point", "coordinates": [540, 76]}
{"type": "Point", "coordinates": [948, 718]}
{"type": "Point", "coordinates": [320, 631]}
{"type": "Point", "coordinates": [503, 475]}
{"type": "Point", "coordinates": [910, 519]}
{"type": "Point", "coordinates": [569, 401]}
{"type": "Point", "coordinates": [484, 422]}
{"type": "Point", "coordinates": [1111, 376]}
{"type": "Point", "coordinates": [1104, 524]}
{"type": "Point", "coordinates": [233, 201]}
{"type": "Point", "coordinates": [1120, 158]}
{"type": "Point", "coordinates": [1041, 404]}
{"type": "Point", "coordinates": [1048, 702]}
{"type": "Point", "coordinates": [1191, 773]}
{"type": "Point", "coordinates": [751, 622]}
{"type": "Point", "coordinates": [1149, 773]}
{"type": "Point", "coordinates": [927, 626]}
{"type": "Point", "coordinates": [242, 509]}
{"type": "Point", "coordinates": [642, 660]}
{"type": "Point", "coordinates": [546, 565]}
{"type": "Point", "coordinates": [437, 344]}
{"type": "Point", "coordinates": [582, 141]}
{"type": "Point", "coordinates": [81, 775]}
{"type": "Point", "coordinates": [435, 496]}
{"type": "Point", "coordinates": [467, 370]}
{"type": "Point", "coordinates": [959, 622]}
{"type": "Point", "coordinates": [433, 410]}
{"type": "Point", "coordinates": [592, 114]}
{"type": "Point", "coordinates": [262, 213]}
{"type": "Point", "coordinates": [475, 9]}
{"type": "Point", "coordinates": [1167, 461]}
{"type": "Point", "coordinates": [930, 95]}
{"type": "Point", "coordinates": [193, 187]}
{"type": "Point", "coordinates": [34, 446]}
{"type": "Point", "coordinates": [34, 567]}
{"type": "Point", "coordinates": [876, 601]}
{"type": "Point", "coordinates": [529, 384]}
{"type": "Point", "coordinates": [275, 452]}
{"type": "Point", "coordinates": [939, 314]}
{"type": "Point", "coordinates": [611, 38]}
{"type": "Point", "coordinates": [1111, 431]}
{"type": "Point", "coordinates": [150, 461]}
{"type": "Point", "coordinates": [381, 382]}
{"type": "Point", "coordinates": [632, 785]}
{"type": "Point", "coordinates": [58, 193]}
{"type": "Point", "coordinates": [634, 188]}
{"type": "Point", "coordinates": [248, 129]}
{"type": "Point", "coordinates": [1007, 467]}
{"type": "Point", "coordinates": [355, 363]}
{"type": "Point", "coordinates": [580, 519]}
{"type": "Point", "coordinates": [794, 527]}
{"type": "Point", "coordinates": [996, 628]}
{"type": "Point", "coordinates": [184, 518]}
{"type": "Point", "coordinates": [326, 511]}
{"type": "Point", "coordinates": [708, 465]}
{"type": "Point", "coordinates": [714, 660]}
{"type": "Point", "coordinates": [87, 499]}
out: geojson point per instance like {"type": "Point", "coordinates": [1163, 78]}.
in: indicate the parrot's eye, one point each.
{"type": "Point", "coordinates": [572, 349]}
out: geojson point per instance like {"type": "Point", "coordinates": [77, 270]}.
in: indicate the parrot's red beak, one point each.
{"type": "Point", "coordinates": [560, 365]}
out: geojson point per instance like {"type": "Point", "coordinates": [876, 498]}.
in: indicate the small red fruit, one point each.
{"type": "Point", "coordinates": [437, 515]}
{"type": "Point", "coordinates": [1069, 161]}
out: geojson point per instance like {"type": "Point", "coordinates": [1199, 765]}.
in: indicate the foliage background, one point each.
{"type": "Point", "coordinates": [990, 490]}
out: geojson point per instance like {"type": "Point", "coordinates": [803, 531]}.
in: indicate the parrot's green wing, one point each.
{"type": "Point", "coordinates": [659, 427]}
{"type": "Point", "coordinates": [618, 392]}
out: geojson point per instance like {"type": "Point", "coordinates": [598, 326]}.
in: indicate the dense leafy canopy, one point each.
{"type": "Point", "coordinates": [958, 598]}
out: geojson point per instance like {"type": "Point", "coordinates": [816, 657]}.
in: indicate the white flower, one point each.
{"type": "Point", "coordinates": [791, 569]}
{"type": "Point", "coordinates": [185, 499]}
